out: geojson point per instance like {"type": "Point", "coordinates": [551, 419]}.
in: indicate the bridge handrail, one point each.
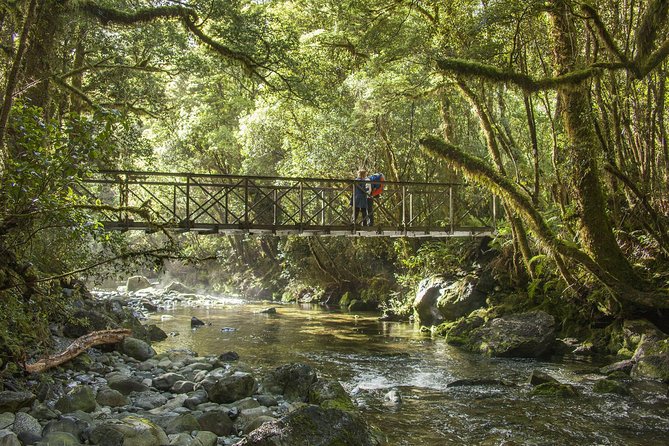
{"type": "Point", "coordinates": [139, 173]}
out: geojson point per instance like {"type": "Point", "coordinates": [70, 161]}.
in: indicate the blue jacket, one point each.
{"type": "Point", "coordinates": [360, 196]}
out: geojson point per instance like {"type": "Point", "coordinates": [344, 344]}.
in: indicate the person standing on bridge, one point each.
{"type": "Point", "coordinates": [359, 199]}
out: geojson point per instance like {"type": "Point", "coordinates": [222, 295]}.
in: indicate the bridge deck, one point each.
{"type": "Point", "coordinates": [230, 204]}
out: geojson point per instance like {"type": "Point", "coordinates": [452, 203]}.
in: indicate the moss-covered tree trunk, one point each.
{"type": "Point", "coordinates": [595, 230]}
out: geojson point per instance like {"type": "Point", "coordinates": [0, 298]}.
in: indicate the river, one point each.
{"type": "Point", "coordinates": [371, 358]}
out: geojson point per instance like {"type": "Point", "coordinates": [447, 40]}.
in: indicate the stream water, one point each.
{"type": "Point", "coordinates": [371, 358]}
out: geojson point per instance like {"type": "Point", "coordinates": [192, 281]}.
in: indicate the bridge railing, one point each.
{"type": "Point", "coordinates": [229, 203]}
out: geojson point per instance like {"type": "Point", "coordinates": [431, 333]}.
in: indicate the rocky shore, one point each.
{"type": "Point", "coordinates": [127, 395]}
{"type": "Point", "coordinates": [133, 397]}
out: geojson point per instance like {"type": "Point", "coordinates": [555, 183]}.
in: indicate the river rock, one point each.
{"type": "Point", "coordinates": [463, 296]}
{"type": "Point", "coordinates": [178, 287]}
{"type": "Point", "coordinates": [183, 387]}
{"type": "Point", "coordinates": [138, 349]}
{"type": "Point", "coordinates": [555, 389]}
{"type": "Point", "coordinates": [330, 394]}
{"type": "Point", "coordinates": [247, 416]}
{"type": "Point", "coordinates": [228, 356]}
{"type": "Point", "coordinates": [156, 333]}
{"type": "Point", "coordinates": [182, 423]}
{"type": "Point", "coordinates": [528, 334]}
{"type": "Point", "coordinates": [26, 423]}
{"type": "Point", "coordinates": [149, 400]}
{"type": "Point", "coordinates": [125, 384]}
{"type": "Point", "coordinates": [610, 386]}
{"type": "Point", "coordinates": [111, 398]}
{"type": "Point", "coordinates": [167, 380]}
{"type": "Point", "coordinates": [59, 439]}
{"type": "Point", "coordinates": [28, 438]}
{"type": "Point", "coordinates": [425, 302]}
{"type": "Point", "coordinates": [6, 420]}
{"type": "Point", "coordinates": [652, 360]}
{"type": "Point", "coordinates": [13, 401]}
{"type": "Point", "coordinates": [232, 388]}
{"type": "Point", "coordinates": [216, 421]}
{"type": "Point", "coordinates": [130, 431]}
{"type": "Point", "coordinates": [195, 322]}
{"type": "Point", "coordinates": [196, 398]}
{"type": "Point", "coordinates": [136, 283]}
{"type": "Point", "coordinates": [9, 438]}
{"type": "Point", "coordinates": [329, 426]}
{"type": "Point", "coordinates": [291, 380]}
{"type": "Point", "coordinates": [66, 424]}
{"type": "Point", "coordinates": [538, 377]}
{"type": "Point", "coordinates": [79, 398]}
{"type": "Point", "coordinates": [624, 366]}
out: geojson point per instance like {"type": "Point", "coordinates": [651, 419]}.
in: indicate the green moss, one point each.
{"type": "Point", "coordinates": [555, 390]}
{"type": "Point", "coordinates": [610, 386]}
{"type": "Point", "coordinates": [345, 299]}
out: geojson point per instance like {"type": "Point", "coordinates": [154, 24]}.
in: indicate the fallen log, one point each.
{"type": "Point", "coordinates": [77, 347]}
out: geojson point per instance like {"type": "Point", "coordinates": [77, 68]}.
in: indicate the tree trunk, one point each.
{"type": "Point", "coordinates": [595, 230]}
{"type": "Point", "coordinates": [12, 80]}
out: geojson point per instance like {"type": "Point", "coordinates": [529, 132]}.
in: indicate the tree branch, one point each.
{"type": "Point", "coordinates": [525, 82]}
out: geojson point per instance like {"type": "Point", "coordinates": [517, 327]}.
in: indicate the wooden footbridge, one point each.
{"type": "Point", "coordinates": [229, 204]}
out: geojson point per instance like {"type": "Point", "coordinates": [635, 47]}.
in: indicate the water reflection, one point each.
{"type": "Point", "coordinates": [371, 357]}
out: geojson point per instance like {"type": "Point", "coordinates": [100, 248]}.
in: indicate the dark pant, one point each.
{"type": "Point", "coordinates": [364, 215]}
{"type": "Point", "coordinates": [370, 211]}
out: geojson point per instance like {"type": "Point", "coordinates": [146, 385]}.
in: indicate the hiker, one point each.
{"type": "Point", "coordinates": [375, 187]}
{"type": "Point", "coordinates": [360, 195]}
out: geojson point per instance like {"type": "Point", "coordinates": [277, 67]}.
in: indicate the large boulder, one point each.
{"type": "Point", "coordinates": [216, 421]}
{"type": "Point", "coordinates": [125, 384]}
{"type": "Point", "coordinates": [130, 431]}
{"type": "Point", "coordinates": [8, 438]}
{"type": "Point", "coordinates": [59, 439]}
{"type": "Point", "coordinates": [464, 296]}
{"type": "Point", "coordinates": [79, 398]}
{"type": "Point", "coordinates": [291, 380]}
{"type": "Point", "coordinates": [440, 299]}
{"type": "Point", "coordinates": [178, 287]}
{"type": "Point", "coordinates": [13, 401]}
{"type": "Point", "coordinates": [136, 283]}
{"type": "Point", "coordinates": [138, 349]}
{"type": "Point", "coordinates": [528, 334]}
{"type": "Point", "coordinates": [330, 394]}
{"type": "Point", "coordinates": [232, 388]}
{"type": "Point", "coordinates": [425, 302]}
{"type": "Point", "coordinates": [315, 426]}
{"type": "Point", "coordinates": [652, 360]}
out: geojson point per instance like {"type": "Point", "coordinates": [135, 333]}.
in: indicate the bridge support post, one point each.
{"type": "Point", "coordinates": [451, 213]}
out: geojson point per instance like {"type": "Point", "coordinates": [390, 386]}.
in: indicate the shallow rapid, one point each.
{"type": "Point", "coordinates": [400, 378]}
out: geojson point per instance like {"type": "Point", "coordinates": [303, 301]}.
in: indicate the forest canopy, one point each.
{"type": "Point", "coordinates": [557, 107]}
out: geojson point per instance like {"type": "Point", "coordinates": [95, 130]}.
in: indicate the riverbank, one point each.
{"type": "Point", "coordinates": [416, 388]}
{"type": "Point", "coordinates": [135, 397]}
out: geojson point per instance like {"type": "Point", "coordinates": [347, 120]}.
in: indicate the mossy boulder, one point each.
{"type": "Point", "coordinates": [293, 381]}
{"type": "Point", "coordinates": [138, 349]}
{"type": "Point", "coordinates": [232, 388]}
{"type": "Point", "coordinates": [12, 401]}
{"type": "Point", "coordinates": [459, 332]}
{"type": "Point", "coordinates": [330, 394]}
{"type": "Point", "coordinates": [130, 431]}
{"type": "Point", "coordinates": [79, 398]}
{"type": "Point", "coordinates": [555, 389]}
{"type": "Point", "coordinates": [136, 283]}
{"type": "Point", "coordinates": [316, 426]}
{"type": "Point", "coordinates": [425, 302]}
{"type": "Point", "coordinates": [610, 386]}
{"type": "Point", "coordinates": [652, 360]}
{"type": "Point", "coordinates": [530, 334]}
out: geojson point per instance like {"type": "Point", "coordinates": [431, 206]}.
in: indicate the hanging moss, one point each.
{"type": "Point", "coordinates": [527, 83]}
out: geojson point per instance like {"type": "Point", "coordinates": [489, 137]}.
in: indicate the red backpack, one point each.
{"type": "Point", "coordinates": [377, 184]}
